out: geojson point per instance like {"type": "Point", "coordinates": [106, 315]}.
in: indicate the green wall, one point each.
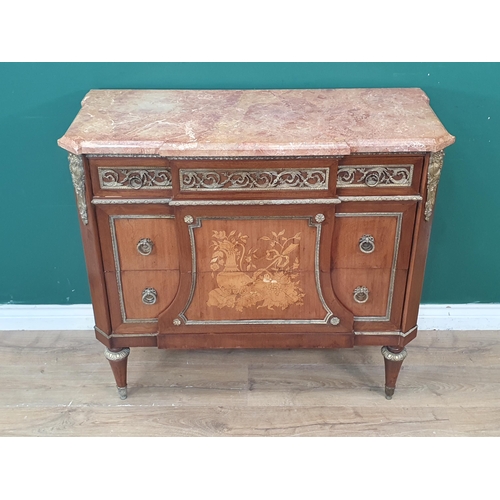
{"type": "Point", "coordinates": [41, 259]}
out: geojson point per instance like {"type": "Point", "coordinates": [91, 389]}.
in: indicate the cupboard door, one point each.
{"type": "Point", "coordinates": [257, 269]}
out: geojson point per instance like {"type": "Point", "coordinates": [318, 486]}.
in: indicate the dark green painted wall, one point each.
{"type": "Point", "coordinates": [41, 259]}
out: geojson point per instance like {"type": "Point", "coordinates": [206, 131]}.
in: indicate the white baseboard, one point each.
{"type": "Point", "coordinates": [80, 317]}
{"type": "Point", "coordinates": [46, 317]}
{"type": "Point", "coordinates": [459, 317]}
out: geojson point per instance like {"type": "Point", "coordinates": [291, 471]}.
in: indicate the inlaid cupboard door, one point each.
{"type": "Point", "coordinates": [255, 269]}
{"type": "Point", "coordinates": [370, 258]}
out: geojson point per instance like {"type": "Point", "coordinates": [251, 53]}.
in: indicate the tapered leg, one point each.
{"type": "Point", "coordinates": [393, 359]}
{"type": "Point", "coordinates": [118, 360]}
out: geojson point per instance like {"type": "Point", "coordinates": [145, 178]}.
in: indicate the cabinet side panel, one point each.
{"type": "Point", "coordinates": [418, 260]}
{"type": "Point", "coordinates": [93, 260]}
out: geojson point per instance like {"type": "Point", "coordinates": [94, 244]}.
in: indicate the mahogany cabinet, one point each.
{"type": "Point", "coordinates": [256, 219]}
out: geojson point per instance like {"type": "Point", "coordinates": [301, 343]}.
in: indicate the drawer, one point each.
{"type": "Point", "coordinates": [368, 236]}
{"type": "Point", "coordinates": [254, 178]}
{"type": "Point", "coordinates": [371, 294]}
{"type": "Point", "coordinates": [379, 175]}
{"type": "Point", "coordinates": [138, 177]}
{"type": "Point", "coordinates": [144, 239]}
{"type": "Point", "coordinates": [142, 242]}
{"type": "Point", "coordinates": [140, 296]}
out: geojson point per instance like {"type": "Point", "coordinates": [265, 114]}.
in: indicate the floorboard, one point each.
{"type": "Point", "coordinates": [59, 384]}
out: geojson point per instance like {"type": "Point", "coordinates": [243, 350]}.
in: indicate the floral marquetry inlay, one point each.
{"type": "Point", "coordinates": [264, 276]}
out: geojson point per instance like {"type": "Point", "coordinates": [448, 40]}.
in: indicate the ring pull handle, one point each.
{"type": "Point", "coordinates": [367, 243]}
{"type": "Point", "coordinates": [145, 246]}
{"type": "Point", "coordinates": [149, 296]}
{"type": "Point", "coordinates": [361, 294]}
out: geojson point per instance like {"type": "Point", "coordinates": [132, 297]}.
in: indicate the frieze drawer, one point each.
{"type": "Point", "coordinates": [135, 177]}
{"type": "Point", "coordinates": [255, 178]}
{"type": "Point", "coordinates": [377, 175]}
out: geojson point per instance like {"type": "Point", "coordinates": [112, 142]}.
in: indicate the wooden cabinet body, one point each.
{"type": "Point", "coordinates": [198, 251]}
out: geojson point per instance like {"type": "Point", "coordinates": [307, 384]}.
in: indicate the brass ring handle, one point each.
{"type": "Point", "coordinates": [145, 246]}
{"type": "Point", "coordinates": [149, 296]}
{"type": "Point", "coordinates": [367, 243]}
{"type": "Point", "coordinates": [361, 294]}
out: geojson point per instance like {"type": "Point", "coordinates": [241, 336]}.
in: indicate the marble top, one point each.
{"type": "Point", "coordinates": [255, 122]}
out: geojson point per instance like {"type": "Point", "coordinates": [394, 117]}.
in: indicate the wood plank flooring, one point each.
{"type": "Point", "coordinates": [59, 384]}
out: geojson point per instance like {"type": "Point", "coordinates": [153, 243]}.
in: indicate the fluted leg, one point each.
{"type": "Point", "coordinates": [118, 361]}
{"type": "Point", "coordinates": [393, 359]}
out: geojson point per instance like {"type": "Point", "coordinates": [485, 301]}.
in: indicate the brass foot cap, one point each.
{"type": "Point", "coordinates": [389, 391]}
{"type": "Point", "coordinates": [122, 392]}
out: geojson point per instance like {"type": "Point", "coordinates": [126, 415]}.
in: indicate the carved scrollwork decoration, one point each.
{"type": "Point", "coordinates": [217, 180]}
{"type": "Point", "coordinates": [433, 175]}
{"type": "Point", "coordinates": [135, 178]}
{"type": "Point", "coordinates": [375, 175]}
{"type": "Point", "coordinates": [78, 177]}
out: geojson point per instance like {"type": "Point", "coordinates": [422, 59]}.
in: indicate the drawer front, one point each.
{"type": "Point", "coordinates": [372, 295]}
{"type": "Point", "coordinates": [379, 175]}
{"type": "Point", "coordinates": [138, 297]}
{"type": "Point", "coordinates": [137, 238]}
{"type": "Point", "coordinates": [368, 236]}
{"type": "Point", "coordinates": [254, 178]}
{"type": "Point", "coordinates": [141, 264]}
{"type": "Point", "coordinates": [142, 242]}
{"type": "Point", "coordinates": [370, 258]}
{"type": "Point", "coordinates": [139, 177]}
{"type": "Point", "coordinates": [255, 269]}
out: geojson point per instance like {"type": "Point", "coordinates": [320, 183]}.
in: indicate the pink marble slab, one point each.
{"type": "Point", "coordinates": [255, 122]}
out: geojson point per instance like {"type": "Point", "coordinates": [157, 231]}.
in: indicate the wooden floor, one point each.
{"type": "Point", "coordinates": [60, 384]}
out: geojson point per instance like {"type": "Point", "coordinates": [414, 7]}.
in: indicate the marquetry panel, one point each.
{"type": "Point", "coordinates": [252, 269]}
